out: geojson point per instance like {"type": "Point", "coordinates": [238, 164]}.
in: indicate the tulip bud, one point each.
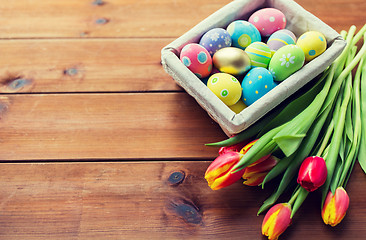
{"type": "Point", "coordinates": [255, 173]}
{"type": "Point", "coordinates": [276, 221]}
{"type": "Point", "coordinates": [233, 148]}
{"type": "Point", "coordinates": [219, 174]}
{"type": "Point", "coordinates": [312, 173]}
{"type": "Point", "coordinates": [335, 207]}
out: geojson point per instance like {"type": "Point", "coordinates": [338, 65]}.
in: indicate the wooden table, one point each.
{"type": "Point", "coordinates": [98, 142]}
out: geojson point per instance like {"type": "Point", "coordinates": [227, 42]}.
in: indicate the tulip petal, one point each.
{"type": "Point", "coordinates": [335, 207]}
{"type": "Point", "coordinates": [276, 221]}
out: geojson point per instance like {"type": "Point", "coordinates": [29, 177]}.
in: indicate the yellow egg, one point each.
{"type": "Point", "coordinates": [231, 60]}
{"type": "Point", "coordinates": [313, 44]}
{"type": "Point", "coordinates": [238, 107]}
{"type": "Point", "coordinates": [226, 87]}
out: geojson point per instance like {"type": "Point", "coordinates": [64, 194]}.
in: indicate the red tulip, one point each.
{"type": "Point", "coordinates": [276, 221]}
{"type": "Point", "coordinates": [335, 207]}
{"type": "Point", "coordinates": [233, 148]}
{"type": "Point", "coordinates": [219, 174]}
{"type": "Point", "coordinates": [312, 173]}
{"type": "Point", "coordinates": [255, 173]}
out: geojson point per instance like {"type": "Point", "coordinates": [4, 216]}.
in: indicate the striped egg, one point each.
{"type": "Point", "coordinates": [259, 54]}
{"type": "Point", "coordinates": [280, 38]}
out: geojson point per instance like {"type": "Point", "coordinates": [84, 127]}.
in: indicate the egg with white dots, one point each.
{"type": "Point", "coordinates": [215, 39]}
{"type": "Point", "coordinates": [313, 43]}
{"type": "Point", "coordinates": [258, 82]}
{"type": "Point", "coordinates": [226, 87]}
{"type": "Point", "coordinates": [268, 21]}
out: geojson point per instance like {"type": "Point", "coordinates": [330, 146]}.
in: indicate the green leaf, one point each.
{"type": "Point", "coordinates": [290, 143]}
{"type": "Point", "coordinates": [362, 147]}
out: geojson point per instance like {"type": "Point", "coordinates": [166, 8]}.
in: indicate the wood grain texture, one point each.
{"type": "Point", "coordinates": [89, 65]}
{"type": "Point", "coordinates": [99, 126]}
{"type": "Point", "coordinates": [137, 201]}
{"type": "Point", "coordinates": [149, 18]}
{"type": "Point", "coordinates": [110, 18]}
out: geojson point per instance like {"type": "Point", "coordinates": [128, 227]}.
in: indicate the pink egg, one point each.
{"type": "Point", "coordinates": [197, 59]}
{"type": "Point", "coordinates": [268, 20]}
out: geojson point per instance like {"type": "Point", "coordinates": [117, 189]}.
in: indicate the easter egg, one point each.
{"type": "Point", "coordinates": [280, 38]}
{"type": "Point", "coordinates": [243, 33]}
{"type": "Point", "coordinates": [259, 54]}
{"type": "Point", "coordinates": [256, 84]}
{"type": "Point", "coordinates": [313, 44]}
{"type": "Point", "coordinates": [268, 20]}
{"type": "Point", "coordinates": [238, 107]}
{"type": "Point", "coordinates": [231, 60]}
{"type": "Point", "coordinates": [226, 87]}
{"type": "Point", "coordinates": [215, 39]}
{"type": "Point", "coordinates": [197, 59]}
{"type": "Point", "coordinates": [286, 61]}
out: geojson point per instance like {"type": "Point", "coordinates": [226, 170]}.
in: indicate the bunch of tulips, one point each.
{"type": "Point", "coordinates": [314, 141]}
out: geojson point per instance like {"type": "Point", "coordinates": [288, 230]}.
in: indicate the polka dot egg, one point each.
{"type": "Point", "coordinates": [313, 44]}
{"type": "Point", "coordinates": [268, 20]}
{"type": "Point", "coordinates": [259, 54]}
{"type": "Point", "coordinates": [256, 84]}
{"type": "Point", "coordinates": [197, 59]}
{"type": "Point", "coordinates": [215, 39]}
{"type": "Point", "coordinates": [243, 33]}
{"type": "Point", "coordinates": [226, 87]}
{"type": "Point", "coordinates": [280, 38]}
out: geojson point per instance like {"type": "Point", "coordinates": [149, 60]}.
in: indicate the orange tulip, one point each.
{"type": "Point", "coordinates": [335, 207]}
{"type": "Point", "coordinates": [276, 221]}
{"type": "Point", "coordinates": [219, 174]}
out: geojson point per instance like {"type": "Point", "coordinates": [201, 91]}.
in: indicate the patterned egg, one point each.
{"type": "Point", "coordinates": [226, 87]}
{"type": "Point", "coordinates": [286, 61]}
{"type": "Point", "coordinates": [231, 60]}
{"type": "Point", "coordinates": [256, 84]}
{"type": "Point", "coordinates": [243, 33]}
{"type": "Point", "coordinates": [313, 44]}
{"type": "Point", "coordinates": [280, 38]}
{"type": "Point", "coordinates": [197, 59]}
{"type": "Point", "coordinates": [238, 107]}
{"type": "Point", "coordinates": [268, 20]}
{"type": "Point", "coordinates": [259, 54]}
{"type": "Point", "coordinates": [215, 39]}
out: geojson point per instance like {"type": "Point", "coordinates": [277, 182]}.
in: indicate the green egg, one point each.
{"type": "Point", "coordinates": [286, 61]}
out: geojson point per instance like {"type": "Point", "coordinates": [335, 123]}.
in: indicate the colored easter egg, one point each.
{"type": "Point", "coordinates": [243, 33]}
{"type": "Point", "coordinates": [259, 54]}
{"type": "Point", "coordinates": [286, 61]}
{"type": "Point", "coordinates": [268, 20]}
{"type": "Point", "coordinates": [256, 84]}
{"type": "Point", "coordinates": [313, 44]}
{"type": "Point", "coordinates": [197, 59]}
{"type": "Point", "coordinates": [280, 38]}
{"type": "Point", "coordinates": [231, 60]}
{"type": "Point", "coordinates": [238, 107]}
{"type": "Point", "coordinates": [215, 39]}
{"type": "Point", "coordinates": [226, 87]}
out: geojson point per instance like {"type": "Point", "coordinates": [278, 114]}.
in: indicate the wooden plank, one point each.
{"type": "Point", "coordinates": [153, 18]}
{"type": "Point", "coordinates": [93, 126]}
{"type": "Point", "coordinates": [140, 200]}
{"type": "Point", "coordinates": [93, 65]}
{"type": "Point", "coordinates": [102, 18]}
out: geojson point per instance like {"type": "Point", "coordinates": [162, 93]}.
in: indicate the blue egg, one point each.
{"type": "Point", "coordinates": [243, 33]}
{"type": "Point", "coordinates": [256, 84]}
{"type": "Point", "coordinates": [215, 39]}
